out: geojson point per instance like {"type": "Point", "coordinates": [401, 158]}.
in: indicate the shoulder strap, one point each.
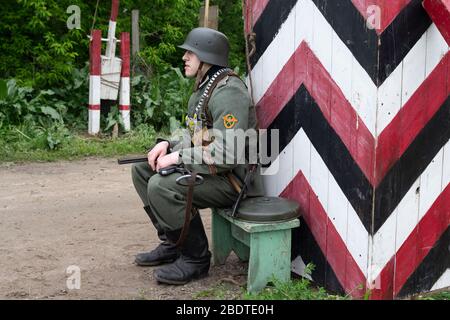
{"type": "Point", "coordinates": [209, 120]}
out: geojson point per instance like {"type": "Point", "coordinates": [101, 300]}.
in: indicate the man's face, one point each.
{"type": "Point", "coordinates": [191, 64]}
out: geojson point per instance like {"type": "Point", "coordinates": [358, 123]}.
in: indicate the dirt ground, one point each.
{"type": "Point", "coordinates": [86, 214]}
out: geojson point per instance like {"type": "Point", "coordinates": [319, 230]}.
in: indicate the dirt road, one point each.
{"type": "Point", "coordinates": [85, 215]}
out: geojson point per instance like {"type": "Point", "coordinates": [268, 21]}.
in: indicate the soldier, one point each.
{"type": "Point", "coordinates": [220, 105]}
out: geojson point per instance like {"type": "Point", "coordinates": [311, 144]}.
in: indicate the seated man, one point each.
{"type": "Point", "coordinates": [221, 102]}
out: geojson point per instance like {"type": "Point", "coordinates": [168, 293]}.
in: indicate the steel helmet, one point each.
{"type": "Point", "coordinates": [209, 45]}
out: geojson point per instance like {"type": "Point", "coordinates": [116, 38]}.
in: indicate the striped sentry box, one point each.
{"type": "Point", "coordinates": [364, 121]}
{"type": "Point", "coordinates": [439, 11]}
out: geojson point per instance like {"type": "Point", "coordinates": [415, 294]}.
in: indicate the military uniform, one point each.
{"type": "Point", "coordinates": [229, 108]}
{"type": "Point", "coordinates": [230, 100]}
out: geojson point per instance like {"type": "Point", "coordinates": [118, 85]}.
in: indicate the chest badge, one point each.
{"type": "Point", "coordinates": [229, 121]}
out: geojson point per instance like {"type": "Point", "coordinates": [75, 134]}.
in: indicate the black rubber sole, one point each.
{"type": "Point", "coordinates": [175, 282]}
{"type": "Point", "coordinates": [154, 263]}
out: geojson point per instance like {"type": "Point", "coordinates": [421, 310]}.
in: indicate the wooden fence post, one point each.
{"type": "Point", "coordinates": [135, 32]}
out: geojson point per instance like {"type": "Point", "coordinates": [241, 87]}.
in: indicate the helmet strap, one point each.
{"type": "Point", "coordinates": [200, 75]}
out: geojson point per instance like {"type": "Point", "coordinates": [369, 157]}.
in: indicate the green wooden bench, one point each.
{"type": "Point", "coordinates": [265, 241]}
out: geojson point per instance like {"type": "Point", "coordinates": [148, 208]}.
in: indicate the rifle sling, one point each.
{"type": "Point", "coordinates": [187, 214]}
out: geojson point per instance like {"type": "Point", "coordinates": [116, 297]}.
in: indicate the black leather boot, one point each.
{"type": "Point", "coordinates": [195, 257]}
{"type": "Point", "coordinates": [165, 252]}
{"type": "Point", "coordinates": [161, 234]}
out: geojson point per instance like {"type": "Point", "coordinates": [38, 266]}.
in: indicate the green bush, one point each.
{"type": "Point", "coordinates": [160, 100]}
{"type": "Point", "coordinates": [43, 102]}
{"type": "Point", "coordinates": [49, 119]}
{"type": "Point", "coordinates": [157, 102]}
{"type": "Point", "coordinates": [21, 143]}
{"type": "Point", "coordinates": [63, 105]}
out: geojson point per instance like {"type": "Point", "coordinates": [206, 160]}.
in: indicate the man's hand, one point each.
{"type": "Point", "coordinates": [158, 151]}
{"type": "Point", "coordinates": [167, 160]}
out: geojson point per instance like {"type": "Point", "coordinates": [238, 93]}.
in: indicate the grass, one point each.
{"type": "Point", "coordinates": [439, 295]}
{"type": "Point", "coordinates": [20, 146]}
{"type": "Point", "coordinates": [299, 289]}
{"type": "Point", "coordinates": [296, 289]}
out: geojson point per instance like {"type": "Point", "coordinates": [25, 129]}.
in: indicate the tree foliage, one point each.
{"type": "Point", "coordinates": [232, 24]}
{"type": "Point", "coordinates": [39, 50]}
{"type": "Point", "coordinates": [36, 46]}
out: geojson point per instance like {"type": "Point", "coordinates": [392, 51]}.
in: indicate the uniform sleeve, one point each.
{"type": "Point", "coordinates": [172, 143]}
{"type": "Point", "coordinates": [179, 139]}
{"type": "Point", "coordinates": [229, 108]}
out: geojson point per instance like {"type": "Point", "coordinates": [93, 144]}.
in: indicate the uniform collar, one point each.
{"type": "Point", "coordinates": [209, 74]}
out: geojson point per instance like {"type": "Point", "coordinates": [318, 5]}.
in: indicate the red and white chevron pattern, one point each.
{"type": "Point", "coordinates": [378, 123]}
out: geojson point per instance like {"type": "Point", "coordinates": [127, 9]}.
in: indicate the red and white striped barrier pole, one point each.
{"type": "Point", "coordinates": [94, 81]}
{"type": "Point", "coordinates": [124, 99]}
{"type": "Point", "coordinates": [111, 46]}
{"type": "Point", "coordinates": [110, 80]}
{"type": "Point", "coordinates": [439, 11]}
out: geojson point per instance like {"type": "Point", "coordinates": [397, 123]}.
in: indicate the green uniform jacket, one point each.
{"type": "Point", "coordinates": [230, 108]}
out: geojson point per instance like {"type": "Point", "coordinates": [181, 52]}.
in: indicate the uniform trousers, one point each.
{"type": "Point", "coordinates": [167, 199]}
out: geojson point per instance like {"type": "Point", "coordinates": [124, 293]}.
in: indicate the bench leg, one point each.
{"type": "Point", "coordinates": [222, 240]}
{"type": "Point", "coordinates": [270, 257]}
{"type": "Point", "coordinates": [241, 250]}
